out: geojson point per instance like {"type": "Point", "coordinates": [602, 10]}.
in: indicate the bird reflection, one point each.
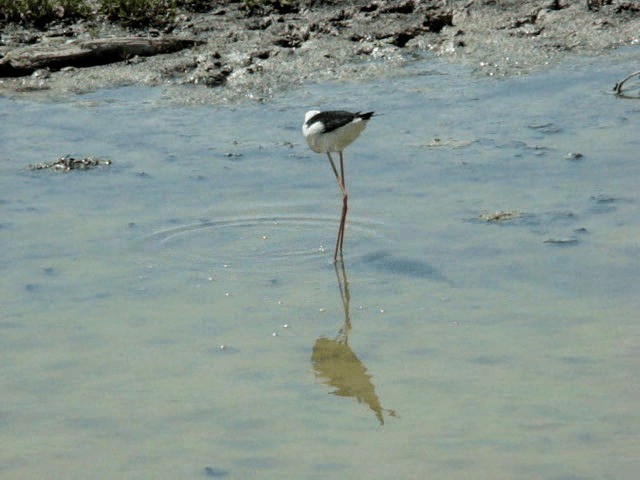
{"type": "Point", "coordinates": [336, 365]}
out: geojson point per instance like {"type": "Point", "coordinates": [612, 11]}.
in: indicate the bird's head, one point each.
{"type": "Point", "coordinates": [310, 114]}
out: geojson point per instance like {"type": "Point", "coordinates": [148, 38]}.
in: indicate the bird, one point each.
{"type": "Point", "coordinates": [331, 132]}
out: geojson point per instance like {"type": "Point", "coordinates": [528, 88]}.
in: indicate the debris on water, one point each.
{"type": "Point", "coordinates": [500, 216]}
{"type": "Point", "coordinates": [67, 163]}
{"type": "Point", "coordinates": [618, 87]}
{"type": "Point", "coordinates": [449, 143]}
{"type": "Point", "coordinates": [215, 472]}
{"type": "Point", "coordinates": [603, 199]}
{"type": "Point", "coordinates": [224, 349]}
{"type": "Point", "coordinates": [49, 271]}
{"type": "Point", "coordinates": [546, 127]}
{"type": "Point", "coordinates": [574, 156]}
{"type": "Point", "coordinates": [562, 241]}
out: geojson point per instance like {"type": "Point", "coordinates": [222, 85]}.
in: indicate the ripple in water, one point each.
{"type": "Point", "coordinates": [273, 241]}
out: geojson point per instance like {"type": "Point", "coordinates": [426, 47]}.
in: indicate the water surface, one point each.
{"type": "Point", "coordinates": [177, 314]}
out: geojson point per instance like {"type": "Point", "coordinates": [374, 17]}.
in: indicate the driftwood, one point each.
{"type": "Point", "coordinates": [87, 53]}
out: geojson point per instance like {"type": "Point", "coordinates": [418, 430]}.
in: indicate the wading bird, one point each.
{"type": "Point", "coordinates": [333, 131]}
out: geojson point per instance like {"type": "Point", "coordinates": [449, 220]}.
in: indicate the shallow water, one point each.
{"type": "Point", "coordinates": [177, 314]}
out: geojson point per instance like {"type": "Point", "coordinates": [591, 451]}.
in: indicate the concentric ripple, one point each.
{"type": "Point", "coordinates": [248, 241]}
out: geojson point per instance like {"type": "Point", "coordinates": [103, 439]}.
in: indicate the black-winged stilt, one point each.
{"type": "Point", "coordinates": [333, 131]}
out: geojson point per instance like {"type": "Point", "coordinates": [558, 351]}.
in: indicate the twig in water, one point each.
{"type": "Point", "coordinates": [618, 87]}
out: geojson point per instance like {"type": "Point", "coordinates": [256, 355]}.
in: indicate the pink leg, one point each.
{"type": "Point", "coordinates": [333, 167]}
{"type": "Point", "coordinates": [345, 197]}
{"type": "Point", "coordinates": [335, 171]}
{"type": "Point", "coordinates": [343, 218]}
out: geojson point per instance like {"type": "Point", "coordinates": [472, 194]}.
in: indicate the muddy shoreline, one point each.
{"type": "Point", "coordinates": [234, 54]}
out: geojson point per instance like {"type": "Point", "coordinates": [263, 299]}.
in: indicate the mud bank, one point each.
{"type": "Point", "coordinates": [234, 53]}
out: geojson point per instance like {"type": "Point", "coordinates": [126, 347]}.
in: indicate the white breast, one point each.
{"type": "Point", "coordinates": [334, 141]}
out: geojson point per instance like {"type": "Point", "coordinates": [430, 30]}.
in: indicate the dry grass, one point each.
{"type": "Point", "coordinates": [133, 13]}
{"type": "Point", "coordinates": [41, 12]}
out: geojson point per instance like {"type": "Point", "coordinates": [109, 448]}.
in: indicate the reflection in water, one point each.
{"type": "Point", "coordinates": [338, 366]}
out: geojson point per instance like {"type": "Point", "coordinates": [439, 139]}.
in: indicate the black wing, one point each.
{"type": "Point", "coordinates": [334, 119]}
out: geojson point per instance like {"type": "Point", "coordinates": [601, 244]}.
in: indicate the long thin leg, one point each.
{"type": "Point", "coordinates": [340, 239]}
{"type": "Point", "coordinates": [343, 219]}
{"type": "Point", "coordinates": [345, 197]}
{"type": "Point", "coordinates": [335, 171]}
